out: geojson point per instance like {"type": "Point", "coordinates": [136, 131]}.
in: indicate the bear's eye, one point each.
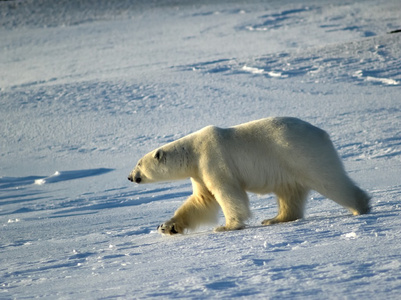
{"type": "Point", "coordinates": [139, 163]}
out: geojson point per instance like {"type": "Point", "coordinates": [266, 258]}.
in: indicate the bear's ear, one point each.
{"type": "Point", "coordinates": [159, 154]}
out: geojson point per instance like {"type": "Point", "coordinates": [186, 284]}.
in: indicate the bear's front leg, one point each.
{"type": "Point", "coordinates": [235, 205]}
{"type": "Point", "coordinates": [200, 208]}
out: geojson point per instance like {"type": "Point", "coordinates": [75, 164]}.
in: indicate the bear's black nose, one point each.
{"type": "Point", "coordinates": [138, 180]}
{"type": "Point", "coordinates": [130, 178]}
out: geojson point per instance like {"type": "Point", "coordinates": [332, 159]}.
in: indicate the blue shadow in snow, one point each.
{"type": "Point", "coordinates": [76, 174]}
{"type": "Point", "coordinates": [13, 182]}
{"type": "Point", "coordinates": [107, 204]}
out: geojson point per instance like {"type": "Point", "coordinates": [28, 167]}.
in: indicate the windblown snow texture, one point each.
{"type": "Point", "coordinates": [89, 87]}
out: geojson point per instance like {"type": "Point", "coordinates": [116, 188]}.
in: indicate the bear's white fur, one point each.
{"type": "Point", "coordinates": [285, 156]}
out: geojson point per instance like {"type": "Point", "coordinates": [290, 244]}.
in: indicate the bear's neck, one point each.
{"type": "Point", "coordinates": [184, 157]}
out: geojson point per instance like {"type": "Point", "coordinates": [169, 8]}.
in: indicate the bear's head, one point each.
{"type": "Point", "coordinates": [163, 164]}
{"type": "Point", "coordinates": [150, 168]}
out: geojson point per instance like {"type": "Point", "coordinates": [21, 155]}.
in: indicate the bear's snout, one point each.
{"type": "Point", "coordinates": [137, 179]}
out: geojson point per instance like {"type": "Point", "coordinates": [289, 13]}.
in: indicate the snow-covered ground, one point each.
{"type": "Point", "coordinates": [88, 87]}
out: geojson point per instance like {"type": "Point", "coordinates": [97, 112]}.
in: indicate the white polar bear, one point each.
{"type": "Point", "coordinates": [285, 156]}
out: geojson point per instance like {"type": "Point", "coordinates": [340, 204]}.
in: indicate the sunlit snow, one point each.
{"type": "Point", "coordinates": [89, 87]}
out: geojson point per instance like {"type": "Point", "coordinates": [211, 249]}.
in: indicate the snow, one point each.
{"type": "Point", "coordinates": [88, 87]}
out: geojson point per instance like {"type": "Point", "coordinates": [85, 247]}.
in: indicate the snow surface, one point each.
{"type": "Point", "coordinates": [88, 87]}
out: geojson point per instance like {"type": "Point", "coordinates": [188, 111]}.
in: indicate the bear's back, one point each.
{"type": "Point", "coordinates": [264, 151]}
{"type": "Point", "coordinates": [269, 134]}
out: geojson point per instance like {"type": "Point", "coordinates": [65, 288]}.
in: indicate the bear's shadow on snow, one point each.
{"type": "Point", "coordinates": [107, 203]}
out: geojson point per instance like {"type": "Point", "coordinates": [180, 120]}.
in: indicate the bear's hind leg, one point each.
{"type": "Point", "coordinates": [291, 203]}
{"type": "Point", "coordinates": [347, 194]}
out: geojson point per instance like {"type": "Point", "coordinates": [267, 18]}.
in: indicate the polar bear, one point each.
{"type": "Point", "coordinates": [281, 155]}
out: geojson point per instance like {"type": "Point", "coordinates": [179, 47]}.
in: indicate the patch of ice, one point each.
{"type": "Point", "coordinates": [276, 74]}
{"type": "Point", "coordinates": [43, 180]}
{"type": "Point", "coordinates": [40, 181]}
{"type": "Point", "coordinates": [13, 220]}
{"type": "Point", "coordinates": [262, 71]}
{"type": "Point", "coordinates": [387, 81]}
{"type": "Point", "coordinates": [350, 236]}
{"type": "Point", "coordinates": [253, 70]}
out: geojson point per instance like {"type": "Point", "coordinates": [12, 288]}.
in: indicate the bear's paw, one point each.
{"type": "Point", "coordinates": [168, 228]}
